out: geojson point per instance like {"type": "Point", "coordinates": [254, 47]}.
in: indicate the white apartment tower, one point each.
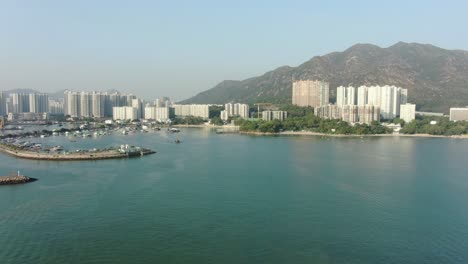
{"type": "Point", "coordinates": [345, 95]}
{"type": "Point", "coordinates": [407, 112]}
{"type": "Point", "coordinates": [197, 110]}
{"type": "Point", "coordinates": [85, 104]}
{"type": "Point", "coordinates": [98, 104]}
{"type": "Point", "coordinates": [124, 113]}
{"type": "Point", "coordinates": [362, 96]}
{"type": "Point", "coordinates": [157, 113]}
{"type": "Point", "coordinates": [271, 115]}
{"type": "Point", "coordinates": [38, 103]}
{"type": "Point", "coordinates": [2, 104]}
{"type": "Point", "coordinates": [241, 110]}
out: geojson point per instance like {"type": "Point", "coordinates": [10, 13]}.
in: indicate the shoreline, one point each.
{"type": "Point", "coordinates": [24, 154]}
{"type": "Point", "coordinates": [310, 133]}
{"type": "Point", "coordinates": [199, 126]}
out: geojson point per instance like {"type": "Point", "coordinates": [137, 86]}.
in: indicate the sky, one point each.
{"type": "Point", "coordinates": [180, 48]}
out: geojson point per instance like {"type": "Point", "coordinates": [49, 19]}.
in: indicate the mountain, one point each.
{"type": "Point", "coordinates": [436, 78]}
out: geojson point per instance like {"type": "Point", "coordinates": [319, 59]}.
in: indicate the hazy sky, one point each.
{"type": "Point", "coordinates": [179, 48]}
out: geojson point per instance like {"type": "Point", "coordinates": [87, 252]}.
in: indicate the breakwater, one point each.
{"type": "Point", "coordinates": [6, 180]}
{"type": "Point", "coordinates": [101, 155]}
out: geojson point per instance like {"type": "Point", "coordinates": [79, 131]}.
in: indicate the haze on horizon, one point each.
{"type": "Point", "coordinates": [178, 49]}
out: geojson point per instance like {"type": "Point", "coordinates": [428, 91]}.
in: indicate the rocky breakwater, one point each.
{"type": "Point", "coordinates": [5, 180]}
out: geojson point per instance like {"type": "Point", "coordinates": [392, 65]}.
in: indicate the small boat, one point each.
{"type": "Point", "coordinates": [177, 141]}
{"type": "Point", "coordinates": [173, 130]}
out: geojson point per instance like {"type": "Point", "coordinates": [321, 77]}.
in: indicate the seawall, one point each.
{"type": "Point", "coordinates": [24, 154]}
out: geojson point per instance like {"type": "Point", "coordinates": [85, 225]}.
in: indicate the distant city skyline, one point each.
{"type": "Point", "coordinates": [180, 49]}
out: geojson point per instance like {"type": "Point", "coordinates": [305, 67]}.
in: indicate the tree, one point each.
{"type": "Point", "coordinates": [215, 111]}
{"type": "Point", "coordinates": [217, 121]}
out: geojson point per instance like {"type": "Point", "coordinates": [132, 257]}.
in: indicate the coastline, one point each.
{"type": "Point", "coordinates": [199, 126]}
{"type": "Point", "coordinates": [24, 154]}
{"type": "Point", "coordinates": [310, 133]}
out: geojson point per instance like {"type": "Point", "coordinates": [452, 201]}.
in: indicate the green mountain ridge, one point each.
{"type": "Point", "coordinates": [436, 78]}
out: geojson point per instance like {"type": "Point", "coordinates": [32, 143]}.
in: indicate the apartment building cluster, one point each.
{"type": "Point", "coordinates": [97, 104]}
{"type": "Point", "coordinates": [160, 114]}
{"type": "Point", "coordinates": [231, 110]}
{"type": "Point", "coordinates": [354, 105]}
{"type": "Point", "coordinates": [196, 110]}
{"type": "Point", "coordinates": [366, 104]}
{"type": "Point", "coordinates": [349, 113]}
{"type": "Point", "coordinates": [274, 115]}
{"type": "Point", "coordinates": [18, 103]}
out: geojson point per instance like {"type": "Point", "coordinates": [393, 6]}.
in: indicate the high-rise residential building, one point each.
{"type": "Point", "coordinates": [2, 104]}
{"type": "Point", "coordinates": [345, 95]}
{"type": "Point", "coordinates": [157, 113]}
{"type": "Point", "coordinates": [241, 110]}
{"type": "Point", "coordinates": [162, 102]}
{"type": "Point", "coordinates": [72, 104]}
{"type": "Point", "coordinates": [197, 110]}
{"type": "Point", "coordinates": [351, 95]}
{"type": "Point", "coordinates": [388, 98]}
{"type": "Point", "coordinates": [404, 96]}
{"type": "Point", "coordinates": [8, 105]}
{"type": "Point", "coordinates": [362, 95]}
{"type": "Point", "coordinates": [310, 93]}
{"type": "Point", "coordinates": [113, 100]}
{"type": "Point", "coordinates": [224, 115]}
{"type": "Point", "coordinates": [129, 99]}
{"type": "Point", "coordinates": [98, 101]}
{"type": "Point", "coordinates": [20, 102]}
{"type": "Point", "coordinates": [124, 113]}
{"type": "Point", "coordinates": [85, 104]}
{"type": "Point", "coordinates": [459, 114]}
{"type": "Point", "coordinates": [138, 104]}
{"type": "Point", "coordinates": [350, 113]}
{"type": "Point", "coordinates": [56, 107]}
{"type": "Point", "coordinates": [38, 103]}
{"type": "Point", "coordinates": [329, 111]}
{"type": "Point", "coordinates": [408, 112]}
{"type": "Point", "coordinates": [96, 104]}
{"type": "Point", "coordinates": [271, 115]}
{"type": "Point", "coordinates": [368, 113]}
{"type": "Point", "coordinates": [340, 95]}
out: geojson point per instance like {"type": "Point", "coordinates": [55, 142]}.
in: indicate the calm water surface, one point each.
{"type": "Point", "coordinates": [242, 199]}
